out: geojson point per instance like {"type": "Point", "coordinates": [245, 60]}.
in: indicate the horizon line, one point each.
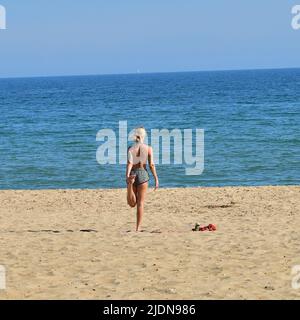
{"type": "Point", "coordinates": [143, 73]}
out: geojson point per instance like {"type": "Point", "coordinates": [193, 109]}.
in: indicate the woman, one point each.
{"type": "Point", "coordinates": [137, 176]}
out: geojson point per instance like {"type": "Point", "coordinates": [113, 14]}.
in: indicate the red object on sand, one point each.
{"type": "Point", "coordinates": [210, 227]}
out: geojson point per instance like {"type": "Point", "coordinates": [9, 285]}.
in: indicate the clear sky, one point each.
{"type": "Point", "coordinates": [66, 37]}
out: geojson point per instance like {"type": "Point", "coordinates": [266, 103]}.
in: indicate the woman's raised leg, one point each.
{"type": "Point", "coordinates": [131, 192]}
{"type": "Point", "coordinates": [141, 194]}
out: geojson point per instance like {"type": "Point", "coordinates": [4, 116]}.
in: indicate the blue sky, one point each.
{"type": "Point", "coordinates": [64, 37]}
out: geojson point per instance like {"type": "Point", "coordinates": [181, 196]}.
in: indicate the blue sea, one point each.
{"type": "Point", "coordinates": [251, 121]}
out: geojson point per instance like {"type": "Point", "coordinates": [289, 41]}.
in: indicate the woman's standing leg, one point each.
{"type": "Point", "coordinates": [141, 194]}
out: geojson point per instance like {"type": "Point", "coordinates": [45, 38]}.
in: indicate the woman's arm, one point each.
{"type": "Point", "coordinates": [152, 167]}
{"type": "Point", "coordinates": [128, 169]}
{"type": "Point", "coordinates": [129, 164]}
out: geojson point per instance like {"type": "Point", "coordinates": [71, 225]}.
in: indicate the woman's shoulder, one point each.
{"type": "Point", "coordinates": [140, 145]}
{"type": "Point", "coordinates": [146, 146]}
{"type": "Point", "coordinates": [132, 145]}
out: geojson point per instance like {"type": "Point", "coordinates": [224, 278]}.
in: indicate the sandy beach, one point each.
{"type": "Point", "coordinates": [81, 244]}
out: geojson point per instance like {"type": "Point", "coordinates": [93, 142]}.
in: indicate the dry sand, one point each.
{"type": "Point", "coordinates": [75, 244]}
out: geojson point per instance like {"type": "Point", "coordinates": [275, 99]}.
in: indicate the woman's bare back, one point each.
{"type": "Point", "coordinates": [138, 155]}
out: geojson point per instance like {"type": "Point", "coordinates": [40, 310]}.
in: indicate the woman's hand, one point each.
{"type": "Point", "coordinates": [130, 179]}
{"type": "Point", "coordinates": [156, 184]}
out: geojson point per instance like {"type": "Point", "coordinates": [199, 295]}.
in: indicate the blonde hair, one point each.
{"type": "Point", "coordinates": [139, 134]}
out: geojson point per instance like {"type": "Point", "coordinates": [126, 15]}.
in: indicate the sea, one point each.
{"type": "Point", "coordinates": [250, 120]}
